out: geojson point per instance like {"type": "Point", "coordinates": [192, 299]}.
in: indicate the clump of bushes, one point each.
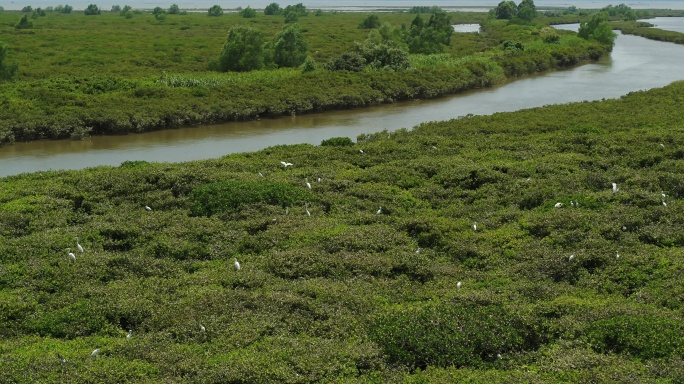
{"type": "Point", "coordinates": [229, 196]}
{"type": "Point", "coordinates": [449, 334]}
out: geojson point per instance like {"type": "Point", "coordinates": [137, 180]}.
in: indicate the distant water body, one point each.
{"type": "Point", "coordinates": [351, 5]}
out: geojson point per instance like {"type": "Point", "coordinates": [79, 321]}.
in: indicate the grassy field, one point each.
{"type": "Point", "coordinates": [483, 249]}
{"type": "Point", "coordinates": [106, 74]}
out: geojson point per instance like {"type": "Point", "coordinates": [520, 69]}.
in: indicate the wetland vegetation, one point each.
{"type": "Point", "coordinates": [543, 245]}
{"type": "Point", "coordinates": [483, 249]}
{"type": "Point", "coordinates": [107, 73]}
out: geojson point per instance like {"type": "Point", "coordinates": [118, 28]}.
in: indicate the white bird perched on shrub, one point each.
{"type": "Point", "coordinates": [202, 328]}
{"type": "Point", "coordinates": [474, 226]}
{"type": "Point", "coordinates": [80, 249]}
{"type": "Point", "coordinates": [307, 182]}
{"type": "Point", "coordinates": [72, 257]}
{"type": "Point", "coordinates": [236, 264]}
{"type": "Point", "coordinates": [617, 255]}
{"type": "Point", "coordinates": [147, 208]}
{"type": "Point", "coordinates": [130, 334]}
{"type": "Point", "coordinates": [95, 352]}
{"type": "Point", "coordinates": [379, 211]}
{"type": "Point", "coordinates": [558, 205]}
{"type": "Point", "coordinates": [286, 164]}
{"type": "Point", "coordinates": [361, 151]}
{"type": "Point", "coordinates": [307, 210]}
{"type": "Point", "coordinates": [615, 188]}
{"type": "Point", "coordinates": [261, 174]}
{"type": "Point", "coordinates": [458, 285]}
{"type": "Point", "coordinates": [571, 257]}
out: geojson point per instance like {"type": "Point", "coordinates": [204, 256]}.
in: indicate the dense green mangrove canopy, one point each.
{"type": "Point", "coordinates": [501, 253]}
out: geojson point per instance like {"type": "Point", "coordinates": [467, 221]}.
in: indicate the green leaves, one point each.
{"type": "Point", "coordinates": [242, 50]}
{"type": "Point", "coordinates": [229, 196]}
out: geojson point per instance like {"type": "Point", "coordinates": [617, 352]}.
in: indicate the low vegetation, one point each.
{"type": "Point", "coordinates": [482, 249]}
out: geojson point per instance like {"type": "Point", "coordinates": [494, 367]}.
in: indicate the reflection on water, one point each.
{"type": "Point", "coordinates": [467, 28]}
{"type": "Point", "coordinates": [635, 64]}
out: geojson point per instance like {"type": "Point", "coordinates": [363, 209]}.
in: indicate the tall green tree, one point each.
{"type": "Point", "coordinates": [506, 10]}
{"type": "Point", "coordinates": [248, 12]}
{"type": "Point", "coordinates": [273, 9]}
{"type": "Point", "coordinates": [243, 50]}
{"type": "Point", "coordinates": [598, 29]}
{"type": "Point", "coordinates": [431, 37]}
{"type": "Point", "coordinates": [174, 9]}
{"type": "Point", "coordinates": [289, 47]}
{"type": "Point", "coordinates": [215, 10]}
{"type": "Point", "coordinates": [527, 10]}
{"type": "Point", "coordinates": [92, 9]}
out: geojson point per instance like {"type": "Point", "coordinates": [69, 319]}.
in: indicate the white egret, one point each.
{"type": "Point", "coordinates": [61, 358]}
{"type": "Point", "coordinates": [662, 145]}
{"type": "Point", "coordinates": [260, 174]}
{"type": "Point", "coordinates": [319, 179]}
{"type": "Point", "coordinates": [498, 356]}
{"type": "Point", "coordinates": [307, 210]}
{"type": "Point", "coordinates": [379, 211]}
{"type": "Point", "coordinates": [615, 188]}
{"type": "Point", "coordinates": [624, 228]}
{"type": "Point", "coordinates": [202, 328]}
{"type": "Point", "coordinates": [236, 264]}
{"type": "Point", "coordinates": [576, 203]}
{"type": "Point", "coordinates": [307, 182]}
{"type": "Point", "coordinates": [663, 195]}
{"type": "Point", "coordinates": [571, 257]}
{"type": "Point", "coordinates": [80, 249]}
{"type": "Point", "coordinates": [72, 257]}
{"type": "Point", "coordinates": [130, 334]}
{"type": "Point", "coordinates": [474, 226]}
{"type": "Point", "coordinates": [458, 285]}
{"type": "Point", "coordinates": [664, 203]}
{"type": "Point", "coordinates": [95, 352]}
{"type": "Point", "coordinates": [361, 151]}
{"type": "Point", "coordinates": [287, 210]}
{"type": "Point", "coordinates": [617, 255]}
{"type": "Point", "coordinates": [147, 208]}
{"type": "Point", "coordinates": [286, 164]}
{"type": "Point", "coordinates": [418, 250]}
{"type": "Point", "coordinates": [572, 203]}
{"type": "Point", "coordinates": [558, 205]}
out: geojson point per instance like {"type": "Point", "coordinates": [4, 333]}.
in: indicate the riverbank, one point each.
{"type": "Point", "coordinates": [647, 30]}
{"type": "Point", "coordinates": [67, 106]}
{"type": "Point", "coordinates": [482, 249]}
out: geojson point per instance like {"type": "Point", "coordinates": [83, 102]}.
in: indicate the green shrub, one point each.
{"type": "Point", "coordinates": [337, 142]}
{"type": "Point", "coordinates": [372, 21]}
{"type": "Point", "coordinates": [229, 196]}
{"type": "Point", "coordinates": [641, 335]}
{"type": "Point", "coordinates": [248, 13]}
{"type": "Point", "coordinates": [347, 61]}
{"type": "Point", "coordinates": [24, 23]}
{"type": "Point", "coordinates": [448, 334]}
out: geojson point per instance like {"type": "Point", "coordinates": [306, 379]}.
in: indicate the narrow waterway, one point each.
{"type": "Point", "coordinates": [635, 64]}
